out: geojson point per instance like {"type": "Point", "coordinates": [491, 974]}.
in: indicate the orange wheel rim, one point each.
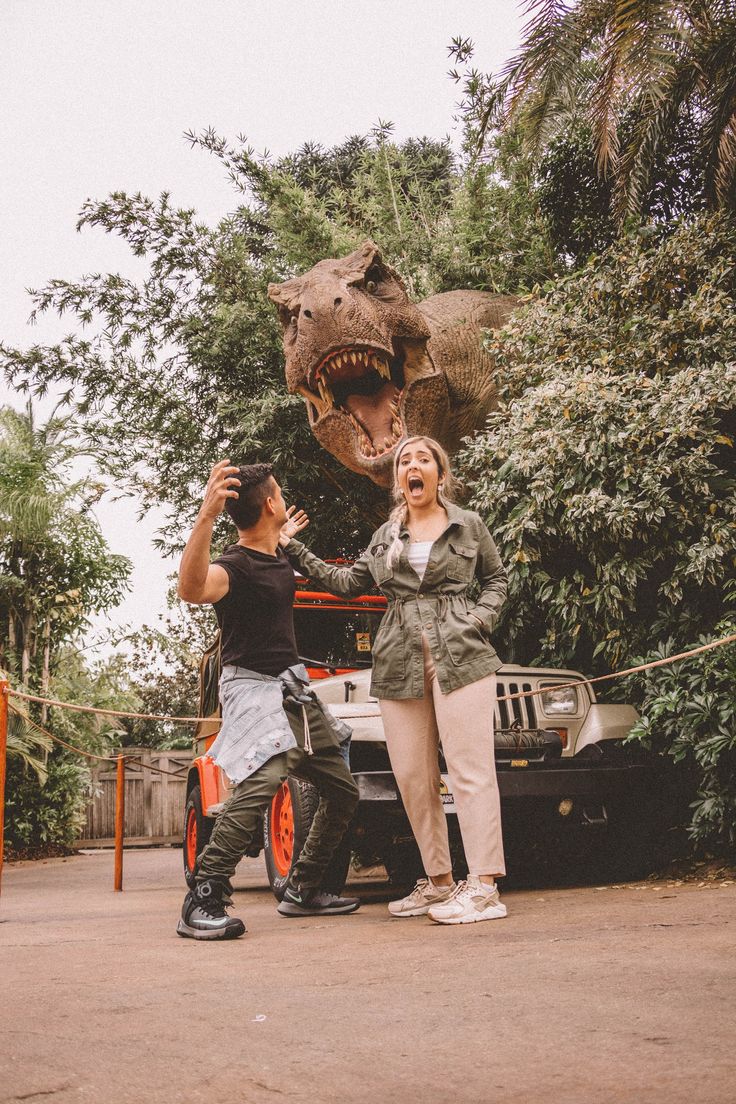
{"type": "Point", "coordinates": [191, 843]}
{"type": "Point", "coordinates": [282, 830]}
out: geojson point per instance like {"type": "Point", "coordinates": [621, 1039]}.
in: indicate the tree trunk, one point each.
{"type": "Point", "coordinates": [11, 636]}
{"type": "Point", "coordinates": [46, 672]}
{"type": "Point", "coordinates": [25, 659]}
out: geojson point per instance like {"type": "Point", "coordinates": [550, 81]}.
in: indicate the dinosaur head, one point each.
{"type": "Point", "coordinates": [356, 350]}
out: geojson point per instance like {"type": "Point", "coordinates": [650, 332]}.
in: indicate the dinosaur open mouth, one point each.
{"type": "Point", "coordinates": [364, 384]}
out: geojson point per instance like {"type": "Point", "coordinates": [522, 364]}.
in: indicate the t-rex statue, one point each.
{"type": "Point", "coordinates": [374, 367]}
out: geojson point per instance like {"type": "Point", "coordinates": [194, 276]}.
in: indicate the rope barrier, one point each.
{"type": "Point", "coordinates": [629, 671]}
{"type": "Point", "coordinates": [6, 693]}
{"type": "Point", "coordinates": [58, 740]}
{"type": "Point", "coordinates": [107, 712]}
{"type": "Point", "coordinates": [506, 697]}
{"type": "Point", "coordinates": [100, 758]}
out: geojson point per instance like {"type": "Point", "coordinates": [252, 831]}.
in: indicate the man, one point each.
{"type": "Point", "coordinates": [271, 723]}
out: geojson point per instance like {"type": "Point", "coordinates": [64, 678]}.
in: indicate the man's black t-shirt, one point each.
{"type": "Point", "coordinates": [256, 615]}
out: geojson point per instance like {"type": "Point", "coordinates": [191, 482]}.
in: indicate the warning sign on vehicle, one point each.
{"type": "Point", "coordinates": [363, 641]}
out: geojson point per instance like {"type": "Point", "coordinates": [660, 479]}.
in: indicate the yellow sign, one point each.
{"type": "Point", "coordinates": [363, 641]}
{"type": "Point", "coordinates": [519, 762]}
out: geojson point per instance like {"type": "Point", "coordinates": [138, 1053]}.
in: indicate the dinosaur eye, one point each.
{"type": "Point", "coordinates": [372, 280]}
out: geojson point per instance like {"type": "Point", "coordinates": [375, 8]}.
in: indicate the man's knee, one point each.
{"type": "Point", "coordinates": [352, 795]}
{"type": "Point", "coordinates": [338, 787]}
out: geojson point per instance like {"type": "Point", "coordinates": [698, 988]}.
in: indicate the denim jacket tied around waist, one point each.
{"type": "Point", "coordinates": [255, 726]}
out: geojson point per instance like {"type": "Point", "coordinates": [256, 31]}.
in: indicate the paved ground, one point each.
{"type": "Point", "coordinates": [585, 995]}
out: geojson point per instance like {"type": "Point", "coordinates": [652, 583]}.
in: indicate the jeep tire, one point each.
{"type": "Point", "coordinates": [197, 832]}
{"type": "Point", "coordinates": [286, 826]}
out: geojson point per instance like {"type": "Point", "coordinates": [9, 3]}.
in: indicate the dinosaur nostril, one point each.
{"type": "Point", "coordinates": [338, 301]}
{"type": "Point", "coordinates": [307, 313]}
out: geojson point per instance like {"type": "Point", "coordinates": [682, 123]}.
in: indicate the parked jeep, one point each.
{"type": "Point", "coordinates": [561, 755]}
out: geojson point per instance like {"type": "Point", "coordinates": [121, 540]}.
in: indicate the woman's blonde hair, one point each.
{"type": "Point", "coordinates": [400, 512]}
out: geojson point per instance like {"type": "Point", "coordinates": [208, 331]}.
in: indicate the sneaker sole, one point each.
{"type": "Point", "coordinates": [286, 908]}
{"type": "Point", "coordinates": [496, 913]}
{"type": "Point", "coordinates": [186, 932]}
{"type": "Point", "coordinates": [418, 910]}
{"type": "Point", "coordinates": [421, 911]}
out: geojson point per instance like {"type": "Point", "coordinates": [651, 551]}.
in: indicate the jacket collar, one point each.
{"type": "Point", "coordinates": [454, 517]}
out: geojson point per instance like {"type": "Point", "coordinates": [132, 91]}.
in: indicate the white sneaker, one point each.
{"type": "Point", "coordinates": [471, 901]}
{"type": "Point", "coordinates": [420, 900]}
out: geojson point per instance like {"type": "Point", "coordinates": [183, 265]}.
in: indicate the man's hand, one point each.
{"type": "Point", "coordinates": [199, 580]}
{"type": "Point", "coordinates": [295, 522]}
{"type": "Point", "coordinates": [221, 486]}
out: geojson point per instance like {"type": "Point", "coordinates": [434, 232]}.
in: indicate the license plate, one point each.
{"type": "Point", "coordinates": [448, 801]}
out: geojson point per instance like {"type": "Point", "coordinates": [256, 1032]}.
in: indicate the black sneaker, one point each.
{"type": "Point", "coordinates": [303, 903]}
{"type": "Point", "coordinates": [203, 914]}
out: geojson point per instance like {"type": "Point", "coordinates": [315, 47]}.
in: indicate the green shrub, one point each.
{"type": "Point", "coordinates": [35, 814]}
{"type": "Point", "coordinates": [689, 712]}
{"type": "Point", "coordinates": [607, 477]}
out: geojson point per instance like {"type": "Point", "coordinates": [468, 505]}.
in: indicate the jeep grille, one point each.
{"type": "Point", "coordinates": [522, 710]}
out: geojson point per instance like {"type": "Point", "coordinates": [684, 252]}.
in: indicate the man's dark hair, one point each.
{"type": "Point", "coordinates": [255, 487]}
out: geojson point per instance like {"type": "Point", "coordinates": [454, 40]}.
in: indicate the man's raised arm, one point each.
{"type": "Point", "coordinates": [199, 580]}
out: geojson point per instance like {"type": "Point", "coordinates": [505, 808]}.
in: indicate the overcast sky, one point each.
{"type": "Point", "coordinates": [96, 95]}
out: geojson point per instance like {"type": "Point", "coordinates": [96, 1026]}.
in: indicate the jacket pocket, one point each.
{"type": "Point", "coordinates": [380, 569]}
{"type": "Point", "coordinates": [460, 562]}
{"type": "Point", "coordinates": [464, 639]}
{"type": "Point", "coordinates": [389, 664]}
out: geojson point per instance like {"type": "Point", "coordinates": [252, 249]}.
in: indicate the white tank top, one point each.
{"type": "Point", "coordinates": [418, 555]}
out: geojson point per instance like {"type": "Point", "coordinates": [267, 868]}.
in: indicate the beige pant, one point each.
{"type": "Point", "coordinates": [463, 721]}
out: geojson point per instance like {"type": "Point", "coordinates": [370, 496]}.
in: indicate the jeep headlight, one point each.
{"type": "Point", "coordinates": [560, 703]}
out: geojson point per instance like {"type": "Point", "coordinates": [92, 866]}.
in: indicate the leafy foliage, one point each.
{"type": "Point", "coordinates": [28, 744]}
{"type": "Point", "coordinates": [689, 712]}
{"type": "Point", "coordinates": [163, 671]}
{"type": "Point", "coordinates": [639, 74]}
{"type": "Point", "coordinates": [55, 569]}
{"type": "Point", "coordinates": [51, 808]}
{"type": "Point", "coordinates": [54, 565]}
{"type": "Point", "coordinates": [608, 477]}
{"type": "Point", "coordinates": [608, 473]}
{"type": "Point", "coordinates": [186, 365]}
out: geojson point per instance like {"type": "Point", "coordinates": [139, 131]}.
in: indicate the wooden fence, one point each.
{"type": "Point", "coordinates": [154, 803]}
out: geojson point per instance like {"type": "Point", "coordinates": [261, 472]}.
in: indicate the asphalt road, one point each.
{"type": "Point", "coordinates": [585, 995]}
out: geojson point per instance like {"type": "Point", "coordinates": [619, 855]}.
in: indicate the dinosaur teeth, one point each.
{"type": "Point", "coordinates": [383, 369]}
{"type": "Point", "coordinates": [325, 392]}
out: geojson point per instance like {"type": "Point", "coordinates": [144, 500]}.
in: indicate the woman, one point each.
{"type": "Point", "coordinates": [433, 673]}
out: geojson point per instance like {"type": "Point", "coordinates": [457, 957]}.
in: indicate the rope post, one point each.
{"type": "Point", "coordinates": [119, 823]}
{"type": "Point", "coordinates": [4, 688]}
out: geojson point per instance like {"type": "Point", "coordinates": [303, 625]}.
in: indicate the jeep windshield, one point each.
{"type": "Point", "coordinates": [333, 634]}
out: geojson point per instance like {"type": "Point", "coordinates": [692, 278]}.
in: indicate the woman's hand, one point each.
{"type": "Point", "coordinates": [295, 522]}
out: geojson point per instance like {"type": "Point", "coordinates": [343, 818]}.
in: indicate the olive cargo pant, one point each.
{"type": "Point", "coordinates": [240, 820]}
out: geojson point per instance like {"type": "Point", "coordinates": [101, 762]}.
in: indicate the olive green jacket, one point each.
{"type": "Point", "coordinates": [436, 606]}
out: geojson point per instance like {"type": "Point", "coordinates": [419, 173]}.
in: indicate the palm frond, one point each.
{"type": "Point", "coordinates": [652, 133]}
{"type": "Point", "coordinates": [28, 743]}
{"type": "Point", "coordinates": [546, 64]}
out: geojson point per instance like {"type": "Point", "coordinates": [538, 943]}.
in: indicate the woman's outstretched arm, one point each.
{"type": "Point", "coordinates": [347, 582]}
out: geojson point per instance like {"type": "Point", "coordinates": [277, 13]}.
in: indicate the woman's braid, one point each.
{"type": "Point", "coordinates": [397, 518]}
